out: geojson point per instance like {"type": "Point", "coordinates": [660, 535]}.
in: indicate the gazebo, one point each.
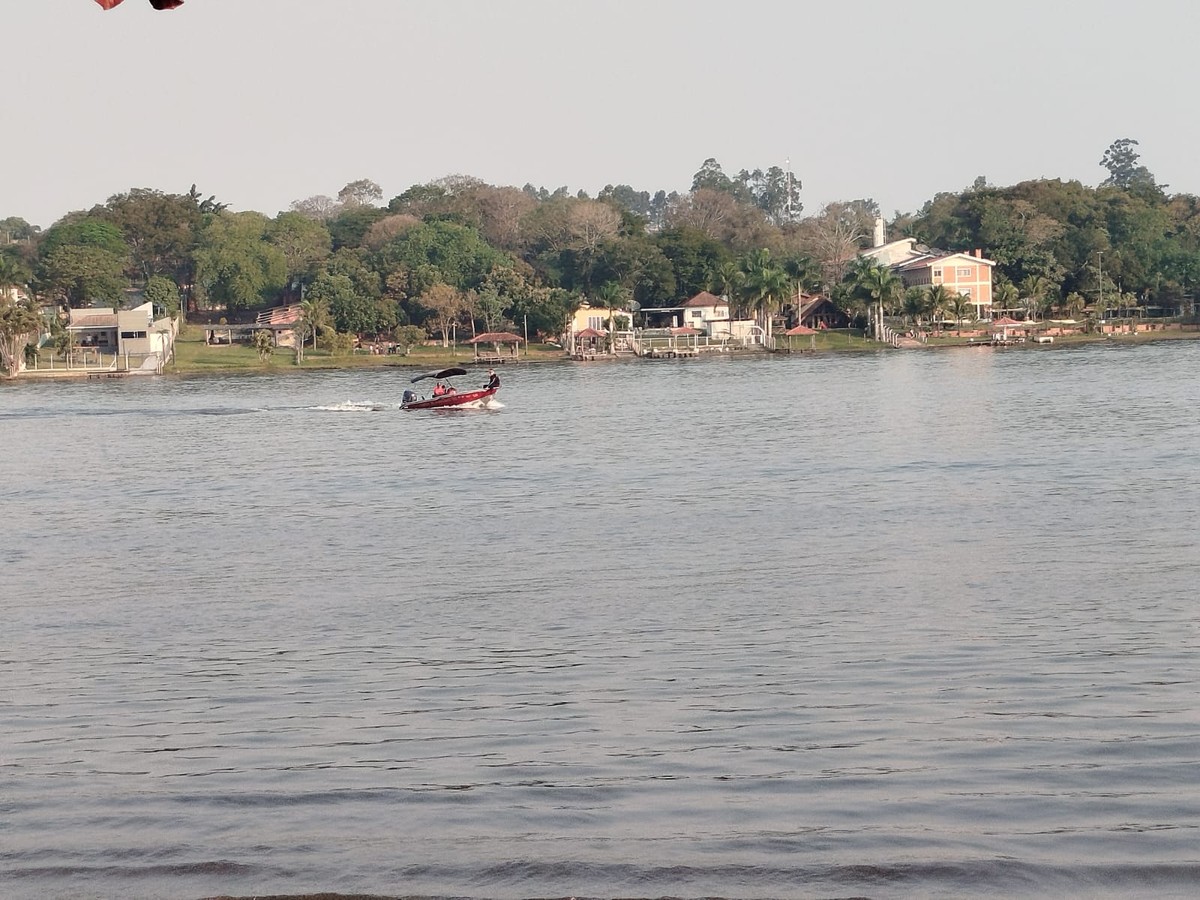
{"type": "Point", "coordinates": [500, 341]}
{"type": "Point", "coordinates": [802, 330]}
{"type": "Point", "coordinates": [587, 342]}
{"type": "Point", "coordinates": [1004, 325]}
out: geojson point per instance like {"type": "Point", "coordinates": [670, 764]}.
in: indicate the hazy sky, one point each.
{"type": "Point", "coordinates": [262, 102]}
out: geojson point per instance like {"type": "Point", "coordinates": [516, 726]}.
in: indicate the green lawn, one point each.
{"type": "Point", "coordinates": [193, 355]}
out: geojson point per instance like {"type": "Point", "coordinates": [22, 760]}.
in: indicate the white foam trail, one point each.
{"type": "Point", "coordinates": [351, 406]}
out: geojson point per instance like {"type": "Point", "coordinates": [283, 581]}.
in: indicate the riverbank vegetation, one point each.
{"type": "Point", "coordinates": [444, 260]}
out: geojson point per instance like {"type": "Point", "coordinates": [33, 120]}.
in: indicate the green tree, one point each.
{"type": "Point", "coordinates": [81, 261]}
{"type": "Point", "coordinates": [1033, 291]}
{"type": "Point", "coordinates": [14, 276]}
{"type": "Point", "coordinates": [451, 253]}
{"type": "Point", "coordinates": [960, 307]}
{"type": "Point", "coordinates": [82, 275]}
{"type": "Point", "coordinates": [694, 257]}
{"type": "Point", "coordinates": [19, 324]}
{"type": "Point", "coordinates": [351, 311]}
{"type": "Point", "coordinates": [916, 305]}
{"type": "Point", "coordinates": [940, 299]}
{"type": "Point", "coordinates": [775, 191]}
{"type": "Point", "coordinates": [1125, 170]}
{"type": "Point", "coordinates": [14, 228]}
{"type": "Point", "coordinates": [305, 242]}
{"type": "Point", "coordinates": [408, 336]}
{"type": "Point", "coordinates": [639, 267]}
{"type": "Point", "coordinates": [350, 226]}
{"type": "Point", "coordinates": [314, 319]}
{"type": "Point", "coordinates": [164, 294]}
{"type": "Point", "coordinates": [766, 284]}
{"type": "Point", "coordinates": [160, 231]}
{"type": "Point", "coordinates": [236, 266]}
{"type": "Point", "coordinates": [1005, 294]}
{"type": "Point", "coordinates": [728, 281]}
{"type": "Point", "coordinates": [879, 288]}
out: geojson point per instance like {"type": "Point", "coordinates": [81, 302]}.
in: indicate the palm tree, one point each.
{"type": "Point", "coordinates": [1075, 304]}
{"type": "Point", "coordinates": [804, 275]}
{"type": "Point", "coordinates": [314, 314]}
{"type": "Point", "coordinates": [960, 305]}
{"type": "Point", "coordinates": [1033, 289]}
{"type": "Point", "coordinates": [766, 283]}
{"type": "Point", "coordinates": [939, 299]}
{"type": "Point", "coordinates": [612, 296]}
{"type": "Point", "coordinates": [727, 281]}
{"type": "Point", "coordinates": [915, 305]}
{"type": "Point", "coordinates": [878, 287]}
{"type": "Point", "coordinates": [1005, 294]}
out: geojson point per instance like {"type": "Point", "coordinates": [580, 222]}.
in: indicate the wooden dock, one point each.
{"type": "Point", "coordinates": [671, 353]}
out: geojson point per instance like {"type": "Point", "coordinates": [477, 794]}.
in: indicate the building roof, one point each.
{"type": "Point", "coordinates": [812, 302]}
{"type": "Point", "coordinates": [496, 337]}
{"type": "Point", "coordinates": [104, 320]}
{"type": "Point", "coordinates": [940, 257]}
{"type": "Point", "coordinates": [280, 315]}
{"type": "Point", "coordinates": [590, 333]}
{"type": "Point", "coordinates": [704, 298]}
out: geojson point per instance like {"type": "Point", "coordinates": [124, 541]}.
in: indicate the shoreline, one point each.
{"type": "Point", "coordinates": [205, 361]}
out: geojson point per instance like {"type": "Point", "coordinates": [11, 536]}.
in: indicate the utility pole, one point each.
{"type": "Point", "coordinates": [1100, 270]}
{"type": "Point", "coordinates": [787, 203]}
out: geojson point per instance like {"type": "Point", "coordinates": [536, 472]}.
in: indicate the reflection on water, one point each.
{"type": "Point", "coordinates": [916, 623]}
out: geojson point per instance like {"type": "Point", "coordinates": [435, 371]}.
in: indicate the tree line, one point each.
{"type": "Point", "coordinates": [458, 252]}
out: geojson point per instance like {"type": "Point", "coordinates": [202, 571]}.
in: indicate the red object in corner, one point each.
{"type": "Point", "coordinates": [157, 4]}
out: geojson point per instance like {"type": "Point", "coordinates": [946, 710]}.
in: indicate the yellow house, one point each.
{"type": "Point", "coordinates": [597, 317]}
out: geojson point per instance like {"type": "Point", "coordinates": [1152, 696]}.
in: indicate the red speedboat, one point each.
{"type": "Point", "coordinates": [444, 395]}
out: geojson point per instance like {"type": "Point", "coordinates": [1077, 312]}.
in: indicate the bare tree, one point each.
{"type": "Point", "coordinates": [386, 229]}
{"type": "Point", "coordinates": [833, 238]}
{"type": "Point", "coordinates": [319, 207]}
{"type": "Point", "coordinates": [360, 193]}
{"type": "Point", "coordinates": [445, 304]}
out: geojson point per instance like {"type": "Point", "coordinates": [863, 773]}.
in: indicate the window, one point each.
{"type": "Point", "coordinates": [937, 273]}
{"type": "Point", "coordinates": [596, 322]}
{"type": "Point", "coordinates": [966, 292]}
{"type": "Point", "coordinates": [965, 272]}
{"type": "Point", "coordinates": [127, 335]}
{"type": "Point", "coordinates": [697, 314]}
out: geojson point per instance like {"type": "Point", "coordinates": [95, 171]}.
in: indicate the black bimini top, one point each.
{"type": "Point", "coordinates": [444, 373]}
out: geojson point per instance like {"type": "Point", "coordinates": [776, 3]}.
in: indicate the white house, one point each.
{"type": "Point", "coordinates": [127, 332]}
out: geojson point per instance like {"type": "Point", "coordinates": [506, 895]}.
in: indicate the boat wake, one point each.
{"type": "Point", "coordinates": [351, 406]}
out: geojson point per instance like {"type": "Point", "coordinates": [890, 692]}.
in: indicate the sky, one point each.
{"type": "Point", "coordinates": [264, 102]}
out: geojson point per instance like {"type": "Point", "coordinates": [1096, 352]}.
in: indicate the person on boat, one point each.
{"type": "Point", "coordinates": [493, 381]}
{"type": "Point", "coordinates": [439, 389]}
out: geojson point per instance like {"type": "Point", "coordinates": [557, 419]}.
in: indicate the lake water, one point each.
{"type": "Point", "coordinates": [903, 624]}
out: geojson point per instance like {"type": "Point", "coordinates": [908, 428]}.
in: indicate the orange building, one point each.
{"type": "Point", "coordinates": [968, 274]}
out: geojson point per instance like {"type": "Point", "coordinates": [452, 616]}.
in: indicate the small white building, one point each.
{"type": "Point", "coordinates": [127, 332]}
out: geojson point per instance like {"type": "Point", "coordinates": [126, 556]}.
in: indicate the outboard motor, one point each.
{"type": "Point", "coordinates": [410, 396]}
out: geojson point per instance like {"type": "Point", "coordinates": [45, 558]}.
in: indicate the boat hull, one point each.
{"type": "Point", "coordinates": [451, 401]}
